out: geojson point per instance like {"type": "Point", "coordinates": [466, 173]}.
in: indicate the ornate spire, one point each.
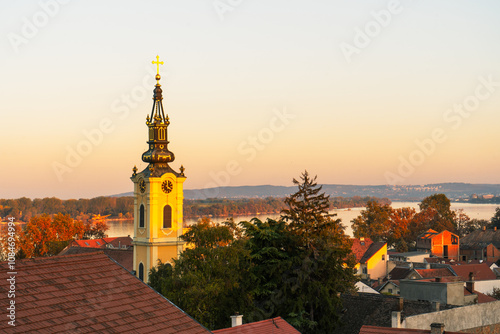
{"type": "Point", "coordinates": [157, 124]}
{"type": "Point", "coordinates": [157, 114]}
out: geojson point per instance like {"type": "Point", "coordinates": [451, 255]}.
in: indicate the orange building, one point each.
{"type": "Point", "coordinates": [444, 244]}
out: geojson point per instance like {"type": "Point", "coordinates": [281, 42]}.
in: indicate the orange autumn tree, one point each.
{"type": "Point", "coordinates": [96, 228]}
{"type": "Point", "coordinates": [46, 236]}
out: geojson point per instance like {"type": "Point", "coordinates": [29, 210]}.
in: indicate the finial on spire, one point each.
{"type": "Point", "coordinates": [182, 170]}
{"type": "Point", "coordinates": [158, 63]}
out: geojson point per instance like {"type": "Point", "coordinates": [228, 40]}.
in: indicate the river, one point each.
{"type": "Point", "coordinates": [118, 228]}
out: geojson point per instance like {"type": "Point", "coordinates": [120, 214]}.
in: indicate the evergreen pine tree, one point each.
{"type": "Point", "coordinates": [322, 263]}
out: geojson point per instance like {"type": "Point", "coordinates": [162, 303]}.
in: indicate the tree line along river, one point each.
{"type": "Point", "coordinates": [125, 227]}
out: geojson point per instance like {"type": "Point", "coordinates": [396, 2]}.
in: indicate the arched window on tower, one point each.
{"type": "Point", "coordinates": [141, 271]}
{"type": "Point", "coordinates": [141, 216]}
{"type": "Point", "coordinates": [167, 216]}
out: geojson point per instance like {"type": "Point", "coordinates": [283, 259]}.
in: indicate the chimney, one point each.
{"type": "Point", "coordinates": [380, 281]}
{"type": "Point", "coordinates": [401, 301]}
{"type": "Point", "coordinates": [427, 265]}
{"type": "Point", "coordinates": [236, 320]}
{"type": "Point", "coordinates": [396, 319]}
{"type": "Point", "coordinates": [469, 285]}
{"type": "Point", "coordinates": [437, 328]}
{"type": "Point", "coordinates": [436, 306]}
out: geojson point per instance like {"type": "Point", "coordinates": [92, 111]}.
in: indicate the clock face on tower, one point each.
{"type": "Point", "coordinates": [142, 186]}
{"type": "Point", "coordinates": [167, 186]}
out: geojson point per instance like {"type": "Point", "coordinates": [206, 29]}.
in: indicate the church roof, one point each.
{"type": "Point", "coordinates": [87, 293]}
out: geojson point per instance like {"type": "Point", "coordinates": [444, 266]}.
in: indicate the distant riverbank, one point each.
{"type": "Point", "coordinates": [123, 227]}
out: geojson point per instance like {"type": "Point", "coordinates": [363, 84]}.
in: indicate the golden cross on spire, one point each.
{"type": "Point", "coordinates": [158, 63]}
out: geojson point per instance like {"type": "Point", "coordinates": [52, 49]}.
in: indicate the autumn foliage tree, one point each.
{"type": "Point", "coordinates": [47, 235]}
{"type": "Point", "coordinates": [401, 227]}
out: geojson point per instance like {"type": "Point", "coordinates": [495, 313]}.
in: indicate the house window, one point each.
{"type": "Point", "coordinates": [454, 240]}
{"type": "Point", "coordinates": [167, 216]}
{"type": "Point", "coordinates": [141, 271]}
{"type": "Point", "coordinates": [390, 290]}
{"type": "Point", "coordinates": [141, 216]}
{"type": "Point", "coordinates": [365, 270]}
{"type": "Point", "coordinates": [383, 257]}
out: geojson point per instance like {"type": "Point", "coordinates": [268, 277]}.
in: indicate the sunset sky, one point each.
{"type": "Point", "coordinates": [379, 92]}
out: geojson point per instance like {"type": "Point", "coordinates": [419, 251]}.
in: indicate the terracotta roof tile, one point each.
{"type": "Point", "coordinates": [87, 293]}
{"type": "Point", "coordinates": [482, 271]}
{"type": "Point", "coordinates": [435, 272]}
{"type": "Point", "coordinates": [480, 239]}
{"type": "Point", "coordinates": [360, 247]}
{"type": "Point", "coordinates": [274, 325]}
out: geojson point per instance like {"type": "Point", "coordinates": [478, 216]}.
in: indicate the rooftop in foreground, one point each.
{"type": "Point", "coordinates": [87, 293]}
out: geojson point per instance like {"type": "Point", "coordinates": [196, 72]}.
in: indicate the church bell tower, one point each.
{"type": "Point", "coordinates": [158, 195]}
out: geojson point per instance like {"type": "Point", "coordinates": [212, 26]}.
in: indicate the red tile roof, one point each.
{"type": "Point", "coordinates": [429, 234]}
{"type": "Point", "coordinates": [125, 257]}
{"type": "Point", "coordinates": [270, 326]}
{"type": "Point", "coordinates": [93, 243]}
{"type": "Point", "coordinates": [386, 330]}
{"type": "Point", "coordinates": [359, 247]}
{"type": "Point", "coordinates": [482, 298]}
{"type": "Point", "coordinates": [87, 293]}
{"type": "Point", "coordinates": [436, 272]}
{"type": "Point", "coordinates": [114, 242]}
{"type": "Point", "coordinates": [119, 242]}
{"type": "Point", "coordinates": [481, 271]}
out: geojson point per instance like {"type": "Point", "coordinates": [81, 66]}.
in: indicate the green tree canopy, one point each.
{"type": "Point", "coordinates": [322, 263]}
{"type": "Point", "coordinates": [210, 279]}
{"type": "Point", "coordinates": [435, 213]}
{"type": "Point", "coordinates": [373, 222]}
{"type": "Point", "coordinates": [293, 267]}
{"type": "Point", "coordinates": [495, 220]}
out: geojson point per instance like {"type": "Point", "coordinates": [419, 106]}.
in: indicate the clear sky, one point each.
{"type": "Point", "coordinates": [357, 92]}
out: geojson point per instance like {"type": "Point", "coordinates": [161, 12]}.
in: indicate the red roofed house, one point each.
{"type": "Point", "coordinates": [444, 244]}
{"type": "Point", "coordinates": [115, 242]}
{"type": "Point", "coordinates": [431, 273]}
{"type": "Point", "coordinates": [86, 293]}
{"type": "Point", "coordinates": [435, 329]}
{"type": "Point", "coordinates": [371, 258]}
{"type": "Point", "coordinates": [480, 271]}
{"type": "Point", "coordinates": [481, 245]}
{"type": "Point", "coordinates": [269, 326]}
